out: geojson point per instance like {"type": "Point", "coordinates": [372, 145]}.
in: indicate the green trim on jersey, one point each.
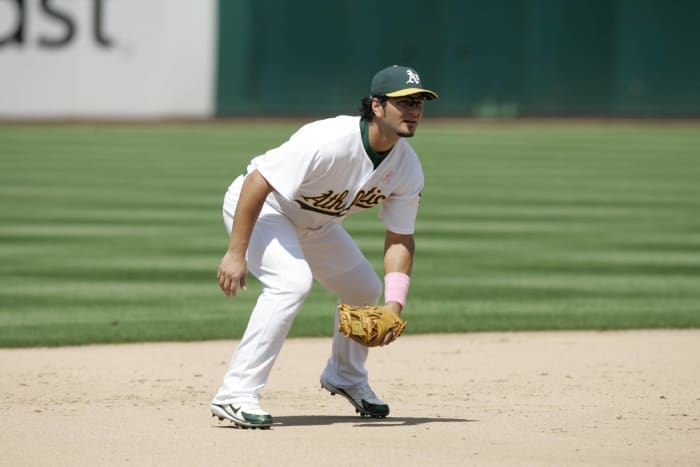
{"type": "Point", "coordinates": [375, 157]}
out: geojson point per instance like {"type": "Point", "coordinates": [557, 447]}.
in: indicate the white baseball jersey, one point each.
{"type": "Point", "coordinates": [322, 174]}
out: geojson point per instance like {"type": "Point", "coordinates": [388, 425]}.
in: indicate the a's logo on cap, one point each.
{"type": "Point", "coordinates": [412, 77]}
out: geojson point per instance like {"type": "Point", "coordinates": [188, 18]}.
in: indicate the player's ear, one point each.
{"type": "Point", "coordinates": [377, 107]}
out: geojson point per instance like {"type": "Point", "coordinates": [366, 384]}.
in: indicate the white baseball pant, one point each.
{"type": "Point", "coordinates": [286, 260]}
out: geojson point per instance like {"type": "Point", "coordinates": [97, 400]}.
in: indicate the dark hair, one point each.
{"type": "Point", "coordinates": [366, 111]}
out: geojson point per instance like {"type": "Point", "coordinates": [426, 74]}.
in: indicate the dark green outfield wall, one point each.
{"type": "Point", "coordinates": [484, 57]}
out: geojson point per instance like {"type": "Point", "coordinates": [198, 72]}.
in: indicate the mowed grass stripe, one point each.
{"type": "Point", "coordinates": [114, 233]}
{"type": "Point", "coordinates": [506, 241]}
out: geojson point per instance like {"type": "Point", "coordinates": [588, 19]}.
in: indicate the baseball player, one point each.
{"type": "Point", "coordinates": [283, 216]}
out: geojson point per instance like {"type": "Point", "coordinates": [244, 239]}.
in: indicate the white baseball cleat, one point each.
{"type": "Point", "coordinates": [243, 415]}
{"type": "Point", "coordinates": [365, 401]}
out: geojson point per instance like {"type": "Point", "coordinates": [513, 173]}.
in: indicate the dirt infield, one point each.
{"type": "Point", "coordinates": [570, 398]}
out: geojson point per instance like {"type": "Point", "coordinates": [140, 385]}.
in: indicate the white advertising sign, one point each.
{"type": "Point", "coordinates": [107, 58]}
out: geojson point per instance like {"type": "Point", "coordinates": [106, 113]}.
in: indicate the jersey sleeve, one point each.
{"type": "Point", "coordinates": [285, 167]}
{"type": "Point", "coordinates": [399, 210]}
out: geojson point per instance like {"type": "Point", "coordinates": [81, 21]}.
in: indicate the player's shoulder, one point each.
{"type": "Point", "coordinates": [330, 129]}
{"type": "Point", "coordinates": [405, 160]}
{"type": "Point", "coordinates": [405, 148]}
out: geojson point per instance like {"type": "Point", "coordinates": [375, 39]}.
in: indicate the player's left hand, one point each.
{"type": "Point", "coordinates": [371, 326]}
{"type": "Point", "coordinates": [388, 339]}
{"type": "Point", "coordinates": [390, 336]}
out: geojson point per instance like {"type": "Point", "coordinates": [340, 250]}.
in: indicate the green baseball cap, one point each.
{"type": "Point", "coordinates": [397, 81]}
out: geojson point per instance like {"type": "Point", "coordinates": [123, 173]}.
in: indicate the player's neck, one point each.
{"type": "Point", "coordinates": [379, 140]}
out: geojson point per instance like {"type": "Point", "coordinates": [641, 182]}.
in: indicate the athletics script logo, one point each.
{"type": "Point", "coordinates": [335, 204]}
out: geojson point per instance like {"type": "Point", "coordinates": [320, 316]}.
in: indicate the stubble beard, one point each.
{"type": "Point", "coordinates": [408, 132]}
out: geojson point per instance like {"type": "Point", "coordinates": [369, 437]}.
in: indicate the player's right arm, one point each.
{"type": "Point", "coordinates": [233, 267]}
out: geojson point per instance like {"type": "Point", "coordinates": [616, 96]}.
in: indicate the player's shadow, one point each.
{"type": "Point", "coordinates": [321, 420]}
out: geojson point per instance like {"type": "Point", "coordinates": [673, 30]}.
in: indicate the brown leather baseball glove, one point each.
{"type": "Point", "coordinates": [368, 325]}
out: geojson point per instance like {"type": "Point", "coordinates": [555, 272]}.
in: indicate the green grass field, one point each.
{"type": "Point", "coordinates": [113, 233]}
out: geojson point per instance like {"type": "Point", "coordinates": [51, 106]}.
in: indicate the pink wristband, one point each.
{"type": "Point", "coordinates": [396, 287]}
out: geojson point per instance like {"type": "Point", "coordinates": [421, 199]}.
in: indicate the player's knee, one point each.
{"type": "Point", "coordinates": [375, 289]}
{"type": "Point", "coordinates": [297, 283]}
{"type": "Point", "coordinates": [370, 291]}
